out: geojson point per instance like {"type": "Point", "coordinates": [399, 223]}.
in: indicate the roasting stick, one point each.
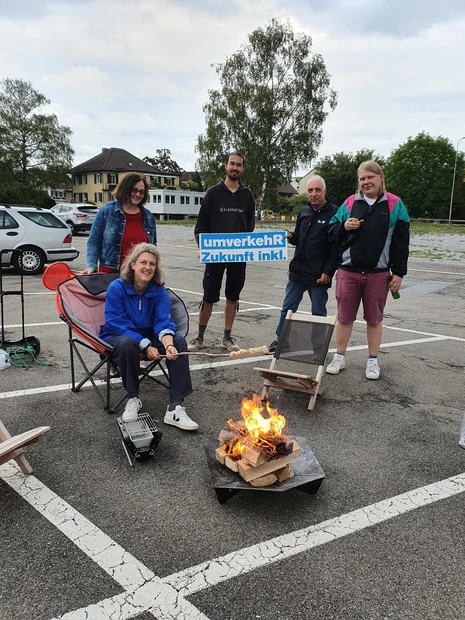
{"type": "Point", "coordinates": [233, 354]}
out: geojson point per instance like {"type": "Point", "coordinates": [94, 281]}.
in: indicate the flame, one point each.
{"type": "Point", "coordinates": [256, 430]}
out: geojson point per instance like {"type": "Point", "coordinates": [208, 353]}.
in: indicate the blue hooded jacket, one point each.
{"type": "Point", "coordinates": [139, 316]}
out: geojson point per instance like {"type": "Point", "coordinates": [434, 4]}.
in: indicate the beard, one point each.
{"type": "Point", "coordinates": [234, 176]}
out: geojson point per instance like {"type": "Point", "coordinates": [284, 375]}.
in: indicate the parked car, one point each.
{"type": "Point", "coordinates": [78, 216]}
{"type": "Point", "coordinates": [42, 237]}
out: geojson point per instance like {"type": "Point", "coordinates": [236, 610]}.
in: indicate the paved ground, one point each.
{"type": "Point", "coordinates": [89, 537]}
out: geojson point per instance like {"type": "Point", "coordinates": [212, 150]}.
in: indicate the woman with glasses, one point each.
{"type": "Point", "coordinates": [119, 226]}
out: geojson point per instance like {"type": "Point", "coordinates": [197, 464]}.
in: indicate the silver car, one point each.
{"type": "Point", "coordinates": [41, 236]}
{"type": "Point", "coordinates": [79, 216]}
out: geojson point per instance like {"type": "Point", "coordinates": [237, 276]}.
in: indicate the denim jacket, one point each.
{"type": "Point", "coordinates": [106, 234]}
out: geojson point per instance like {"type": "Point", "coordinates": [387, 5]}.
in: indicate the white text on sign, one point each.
{"type": "Point", "coordinates": [243, 247]}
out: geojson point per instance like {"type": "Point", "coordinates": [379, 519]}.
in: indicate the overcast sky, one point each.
{"type": "Point", "coordinates": [135, 74]}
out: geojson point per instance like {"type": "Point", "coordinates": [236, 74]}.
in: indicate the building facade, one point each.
{"type": "Point", "coordinates": [177, 202]}
{"type": "Point", "coordinates": [96, 179]}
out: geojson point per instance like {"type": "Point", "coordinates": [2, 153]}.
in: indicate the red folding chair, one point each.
{"type": "Point", "coordinates": [80, 303]}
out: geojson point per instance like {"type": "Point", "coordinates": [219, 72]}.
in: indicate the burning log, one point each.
{"type": "Point", "coordinates": [231, 463]}
{"type": "Point", "coordinates": [255, 456]}
{"type": "Point", "coordinates": [249, 472]}
{"type": "Point", "coordinates": [256, 447]}
{"type": "Point", "coordinates": [221, 454]}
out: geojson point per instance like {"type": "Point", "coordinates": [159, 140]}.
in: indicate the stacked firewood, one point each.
{"type": "Point", "coordinates": [263, 463]}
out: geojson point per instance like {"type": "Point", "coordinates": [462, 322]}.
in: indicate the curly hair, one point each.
{"type": "Point", "coordinates": [127, 272]}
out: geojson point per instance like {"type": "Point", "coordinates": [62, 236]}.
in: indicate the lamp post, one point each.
{"type": "Point", "coordinates": [453, 179]}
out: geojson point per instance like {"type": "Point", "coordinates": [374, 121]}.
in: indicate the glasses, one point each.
{"type": "Point", "coordinates": [136, 191]}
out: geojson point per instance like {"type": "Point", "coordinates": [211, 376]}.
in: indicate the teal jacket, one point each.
{"type": "Point", "coordinates": [382, 241]}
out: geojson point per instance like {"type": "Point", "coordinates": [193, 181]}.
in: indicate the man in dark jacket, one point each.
{"type": "Point", "coordinates": [228, 207]}
{"type": "Point", "coordinates": [314, 261]}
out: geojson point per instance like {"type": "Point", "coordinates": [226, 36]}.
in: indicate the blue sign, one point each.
{"type": "Point", "coordinates": [243, 247]}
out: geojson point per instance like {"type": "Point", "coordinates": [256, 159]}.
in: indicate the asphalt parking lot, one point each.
{"type": "Point", "coordinates": [89, 537]}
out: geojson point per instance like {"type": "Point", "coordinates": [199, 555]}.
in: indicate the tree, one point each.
{"type": "Point", "coordinates": [274, 98]}
{"type": "Point", "coordinates": [340, 172]}
{"type": "Point", "coordinates": [34, 148]}
{"type": "Point", "coordinates": [163, 161]}
{"type": "Point", "coordinates": [18, 193]}
{"type": "Point", "coordinates": [420, 171]}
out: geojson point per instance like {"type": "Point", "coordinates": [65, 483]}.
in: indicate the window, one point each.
{"type": "Point", "coordinates": [188, 200]}
{"type": "Point", "coordinates": [43, 218]}
{"type": "Point", "coordinates": [97, 178]}
{"type": "Point", "coordinates": [168, 181]}
{"type": "Point", "coordinates": [182, 200]}
{"type": "Point", "coordinates": [196, 200]}
{"type": "Point", "coordinates": [98, 197]}
{"type": "Point", "coordinates": [80, 179]}
{"type": "Point", "coordinates": [81, 197]}
{"type": "Point", "coordinates": [167, 200]}
{"type": "Point", "coordinates": [112, 178]}
{"type": "Point", "coordinates": [173, 199]}
{"type": "Point", "coordinates": [7, 221]}
{"type": "Point", "coordinates": [159, 198]}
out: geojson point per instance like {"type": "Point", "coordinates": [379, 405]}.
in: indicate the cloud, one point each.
{"type": "Point", "coordinates": [135, 73]}
{"type": "Point", "coordinates": [396, 18]}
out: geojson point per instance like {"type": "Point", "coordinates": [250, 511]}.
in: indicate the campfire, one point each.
{"type": "Point", "coordinates": [256, 447]}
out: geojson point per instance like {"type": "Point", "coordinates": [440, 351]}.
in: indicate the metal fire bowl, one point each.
{"type": "Point", "coordinates": [308, 474]}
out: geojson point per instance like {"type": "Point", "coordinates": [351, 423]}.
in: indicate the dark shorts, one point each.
{"type": "Point", "coordinates": [213, 277]}
{"type": "Point", "coordinates": [370, 288]}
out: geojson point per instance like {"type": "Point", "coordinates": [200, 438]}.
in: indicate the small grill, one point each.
{"type": "Point", "coordinates": [139, 438]}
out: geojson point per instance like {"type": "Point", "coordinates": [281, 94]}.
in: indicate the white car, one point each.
{"type": "Point", "coordinates": [78, 216]}
{"type": "Point", "coordinates": [41, 236]}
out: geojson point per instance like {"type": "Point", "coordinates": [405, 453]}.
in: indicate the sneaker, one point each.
{"type": "Point", "coordinates": [372, 371]}
{"type": "Point", "coordinates": [131, 410]}
{"type": "Point", "coordinates": [272, 346]}
{"type": "Point", "coordinates": [336, 364]}
{"type": "Point", "coordinates": [178, 417]}
{"type": "Point", "coordinates": [229, 343]}
{"type": "Point", "coordinates": [196, 344]}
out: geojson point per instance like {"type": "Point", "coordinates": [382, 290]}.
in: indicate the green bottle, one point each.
{"type": "Point", "coordinates": [395, 295]}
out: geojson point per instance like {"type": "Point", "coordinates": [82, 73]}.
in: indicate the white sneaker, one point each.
{"type": "Point", "coordinates": [372, 371]}
{"type": "Point", "coordinates": [178, 417]}
{"type": "Point", "coordinates": [336, 364]}
{"type": "Point", "coordinates": [131, 410]}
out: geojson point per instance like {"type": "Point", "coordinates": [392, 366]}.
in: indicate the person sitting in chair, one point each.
{"type": "Point", "coordinates": [138, 320]}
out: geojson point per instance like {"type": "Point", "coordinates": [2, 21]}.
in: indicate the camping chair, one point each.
{"type": "Point", "coordinates": [12, 447]}
{"type": "Point", "coordinates": [81, 303]}
{"type": "Point", "coordinates": [304, 339]}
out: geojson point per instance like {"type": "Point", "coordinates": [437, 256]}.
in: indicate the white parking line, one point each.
{"type": "Point", "coordinates": [231, 362]}
{"type": "Point", "coordinates": [162, 600]}
{"type": "Point", "coordinates": [240, 562]}
{"type": "Point", "coordinates": [165, 598]}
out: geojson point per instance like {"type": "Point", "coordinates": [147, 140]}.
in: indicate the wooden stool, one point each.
{"type": "Point", "coordinates": [12, 447]}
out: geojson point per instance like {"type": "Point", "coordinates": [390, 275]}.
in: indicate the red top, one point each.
{"type": "Point", "coordinates": [133, 233]}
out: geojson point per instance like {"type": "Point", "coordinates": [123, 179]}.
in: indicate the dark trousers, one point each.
{"type": "Point", "coordinates": [294, 292]}
{"type": "Point", "coordinates": [127, 357]}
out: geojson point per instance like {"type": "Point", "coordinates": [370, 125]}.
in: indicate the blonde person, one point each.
{"type": "Point", "coordinates": [138, 319]}
{"type": "Point", "coordinates": [371, 230]}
